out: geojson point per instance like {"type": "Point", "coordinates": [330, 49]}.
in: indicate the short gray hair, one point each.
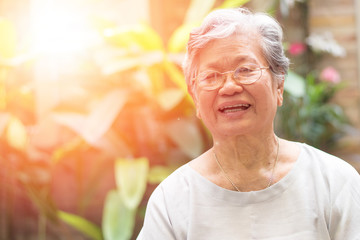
{"type": "Point", "coordinates": [223, 23]}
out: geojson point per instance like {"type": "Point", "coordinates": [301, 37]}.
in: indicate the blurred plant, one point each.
{"type": "Point", "coordinates": [310, 116]}
{"type": "Point", "coordinates": [126, 111]}
{"type": "Point", "coordinates": [309, 113]}
{"type": "Point", "coordinates": [297, 48]}
{"type": "Point", "coordinates": [286, 5]}
{"type": "Point", "coordinates": [181, 128]}
{"type": "Point", "coordinates": [121, 204]}
{"type": "Point", "coordinates": [121, 120]}
{"type": "Point", "coordinates": [330, 74]}
{"type": "Point", "coordinates": [325, 43]}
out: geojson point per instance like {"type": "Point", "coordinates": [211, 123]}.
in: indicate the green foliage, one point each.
{"type": "Point", "coordinates": [131, 178]}
{"type": "Point", "coordinates": [178, 40]}
{"type": "Point", "coordinates": [294, 85]}
{"type": "Point", "coordinates": [197, 10]}
{"type": "Point", "coordinates": [158, 173]}
{"type": "Point", "coordinates": [310, 113]}
{"type": "Point", "coordinates": [233, 3]}
{"type": "Point", "coordinates": [81, 224]}
{"type": "Point", "coordinates": [125, 107]}
{"type": "Point", "coordinates": [7, 40]}
{"type": "Point", "coordinates": [311, 117]}
{"type": "Point", "coordinates": [118, 219]}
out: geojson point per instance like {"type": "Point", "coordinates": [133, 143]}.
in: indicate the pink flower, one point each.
{"type": "Point", "coordinates": [329, 74]}
{"type": "Point", "coordinates": [297, 48]}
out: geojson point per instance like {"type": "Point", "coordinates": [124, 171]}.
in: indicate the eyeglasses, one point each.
{"type": "Point", "coordinates": [244, 74]}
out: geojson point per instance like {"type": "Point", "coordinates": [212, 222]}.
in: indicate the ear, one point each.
{"type": "Point", "coordinates": [192, 91]}
{"type": "Point", "coordinates": [280, 91]}
{"type": "Point", "coordinates": [198, 113]}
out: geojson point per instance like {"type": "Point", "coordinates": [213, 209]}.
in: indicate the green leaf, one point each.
{"type": "Point", "coordinates": [81, 224]}
{"type": "Point", "coordinates": [94, 125]}
{"type": "Point", "coordinates": [71, 120]}
{"type": "Point", "coordinates": [186, 135]}
{"type": "Point", "coordinates": [68, 148]}
{"type": "Point", "coordinates": [233, 3]}
{"type": "Point", "coordinates": [170, 98]}
{"type": "Point", "coordinates": [118, 64]}
{"type": "Point", "coordinates": [40, 198]}
{"type": "Point", "coordinates": [132, 36]}
{"type": "Point", "coordinates": [197, 10]}
{"type": "Point", "coordinates": [16, 134]}
{"type": "Point", "coordinates": [157, 77]}
{"type": "Point", "coordinates": [180, 37]}
{"type": "Point", "coordinates": [113, 144]}
{"type": "Point", "coordinates": [177, 77]}
{"type": "Point", "coordinates": [295, 84]}
{"type": "Point", "coordinates": [7, 39]}
{"type": "Point", "coordinates": [131, 179]}
{"type": "Point", "coordinates": [118, 221]}
{"type": "Point", "coordinates": [104, 114]}
{"type": "Point", "coordinates": [158, 173]}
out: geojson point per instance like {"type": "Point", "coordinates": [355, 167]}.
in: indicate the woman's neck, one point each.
{"type": "Point", "coordinates": [246, 152]}
{"type": "Point", "coordinates": [251, 163]}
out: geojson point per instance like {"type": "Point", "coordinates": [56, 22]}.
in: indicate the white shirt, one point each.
{"type": "Point", "coordinates": [318, 199]}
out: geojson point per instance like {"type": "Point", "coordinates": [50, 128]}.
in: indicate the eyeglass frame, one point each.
{"type": "Point", "coordinates": [210, 88]}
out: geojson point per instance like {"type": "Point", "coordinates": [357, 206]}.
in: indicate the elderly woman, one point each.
{"type": "Point", "coordinates": [250, 184]}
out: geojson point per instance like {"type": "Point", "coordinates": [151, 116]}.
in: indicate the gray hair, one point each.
{"type": "Point", "coordinates": [223, 23]}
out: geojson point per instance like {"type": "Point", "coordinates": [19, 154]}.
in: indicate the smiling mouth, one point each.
{"type": "Point", "coordinates": [234, 108]}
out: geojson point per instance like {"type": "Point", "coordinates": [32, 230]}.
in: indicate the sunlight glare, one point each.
{"type": "Point", "coordinates": [60, 29]}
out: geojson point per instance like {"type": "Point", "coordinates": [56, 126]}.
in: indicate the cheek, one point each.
{"type": "Point", "coordinates": [266, 97]}
{"type": "Point", "coordinates": [277, 93]}
{"type": "Point", "coordinates": [204, 104]}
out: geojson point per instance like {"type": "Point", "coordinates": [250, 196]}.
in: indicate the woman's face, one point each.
{"type": "Point", "coordinates": [236, 109]}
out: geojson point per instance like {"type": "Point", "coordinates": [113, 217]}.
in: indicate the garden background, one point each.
{"type": "Point", "coordinates": [94, 111]}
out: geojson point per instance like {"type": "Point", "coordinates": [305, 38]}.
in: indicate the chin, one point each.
{"type": "Point", "coordinates": [240, 129]}
{"type": "Point", "coordinates": [231, 131]}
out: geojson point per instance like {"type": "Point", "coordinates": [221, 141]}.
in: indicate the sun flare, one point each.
{"type": "Point", "coordinates": [60, 28]}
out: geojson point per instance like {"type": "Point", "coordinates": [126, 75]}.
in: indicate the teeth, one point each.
{"type": "Point", "coordinates": [231, 110]}
{"type": "Point", "coordinates": [234, 108]}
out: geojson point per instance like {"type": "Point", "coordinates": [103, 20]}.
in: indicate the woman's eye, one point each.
{"type": "Point", "coordinates": [244, 70]}
{"type": "Point", "coordinates": [210, 77]}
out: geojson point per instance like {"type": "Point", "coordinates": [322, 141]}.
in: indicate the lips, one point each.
{"type": "Point", "coordinates": [234, 107]}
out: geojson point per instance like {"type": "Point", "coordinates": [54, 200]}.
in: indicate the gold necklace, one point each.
{"type": "Point", "coordinates": [272, 173]}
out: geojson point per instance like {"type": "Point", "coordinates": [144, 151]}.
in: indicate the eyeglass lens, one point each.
{"type": "Point", "coordinates": [244, 74]}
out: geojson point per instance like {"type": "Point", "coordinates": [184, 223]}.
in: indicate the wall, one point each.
{"type": "Point", "coordinates": [339, 18]}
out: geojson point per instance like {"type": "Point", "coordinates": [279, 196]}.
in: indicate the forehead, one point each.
{"type": "Point", "coordinates": [227, 53]}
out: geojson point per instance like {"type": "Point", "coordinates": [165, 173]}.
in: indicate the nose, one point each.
{"type": "Point", "coordinates": [229, 86]}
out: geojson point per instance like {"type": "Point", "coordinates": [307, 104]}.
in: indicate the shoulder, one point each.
{"type": "Point", "coordinates": [175, 186]}
{"type": "Point", "coordinates": [180, 177]}
{"type": "Point", "coordinates": [327, 171]}
{"type": "Point", "coordinates": [161, 221]}
{"type": "Point", "coordinates": [342, 183]}
{"type": "Point", "coordinates": [172, 191]}
{"type": "Point", "coordinates": [168, 206]}
{"type": "Point", "coordinates": [329, 164]}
